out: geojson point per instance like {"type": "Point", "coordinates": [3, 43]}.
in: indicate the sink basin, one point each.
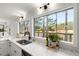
{"type": "Point", "coordinates": [24, 42]}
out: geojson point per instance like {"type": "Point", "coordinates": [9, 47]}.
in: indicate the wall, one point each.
{"type": "Point", "coordinates": [13, 26]}
{"type": "Point", "coordinates": [77, 25]}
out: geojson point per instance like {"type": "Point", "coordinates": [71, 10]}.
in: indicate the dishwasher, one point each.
{"type": "Point", "coordinates": [24, 53]}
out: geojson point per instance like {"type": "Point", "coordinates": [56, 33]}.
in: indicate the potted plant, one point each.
{"type": "Point", "coordinates": [53, 40]}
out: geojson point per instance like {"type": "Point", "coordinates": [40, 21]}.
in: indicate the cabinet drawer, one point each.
{"type": "Point", "coordinates": [1, 48]}
{"type": "Point", "coordinates": [15, 50]}
{"type": "Point", "coordinates": [15, 46]}
{"type": "Point", "coordinates": [2, 42]}
{"type": "Point", "coordinates": [1, 51]}
{"type": "Point", "coordinates": [2, 45]}
{"type": "Point", "coordinates": [16, 53]}
{"type": "Point", "coordinates": [1, 54]}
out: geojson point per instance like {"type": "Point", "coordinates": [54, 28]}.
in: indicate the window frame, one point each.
{"type": "Point", "coordinates": [43, 26]}
{"type": "Point", "coordinates": [56, 20]}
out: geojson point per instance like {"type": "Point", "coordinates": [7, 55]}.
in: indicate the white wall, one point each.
{"type": "Point", "coordinates": [13, 26]}
{"type": "Point", "coordinates": [77, 25]}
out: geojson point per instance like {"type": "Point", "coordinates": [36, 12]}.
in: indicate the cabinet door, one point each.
{"type": "Point", "coordinates": [9, 47]}
{"type": "Point", "coordinates": [15, 50]}
{"type": "Point", "coordinates": [3, 48]}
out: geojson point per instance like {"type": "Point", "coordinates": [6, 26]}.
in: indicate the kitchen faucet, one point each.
{"type": "Point", "coordinates": [27, 33]}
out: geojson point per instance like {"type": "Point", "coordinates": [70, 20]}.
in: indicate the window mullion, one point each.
{"type": "Point", "coordinates": [43, 27]}
{"type": "Point", "coordinates": [65, 25]}
{"type": "Point", "coordinates": [56, 23]}
{"type": "Point", "coordinates": [46, 26]}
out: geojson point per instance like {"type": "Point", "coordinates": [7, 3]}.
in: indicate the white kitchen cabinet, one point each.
{"type": "Point", "coordinates": [3, 48]}
{"type": "Point", "coordinates": [8, 47]}
{"type": "Point", "coordinates": [15, 50]}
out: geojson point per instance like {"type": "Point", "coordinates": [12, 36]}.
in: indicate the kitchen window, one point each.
{"type": "Point", "coordinates": [51, 19]}
{"type": "Point", "coordinates": [39, 27]}
{"type": "Point", "coordinates": [61, 23]}
{"type": "Point", "coordinates": [70, 25]}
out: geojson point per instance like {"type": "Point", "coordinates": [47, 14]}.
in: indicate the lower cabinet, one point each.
{"type": "Point", "coordinates": [3, 48]}
{"type": "Point", "coordinates": [8, 48]}
{"type": "Point", "coordinates": [15, 50]}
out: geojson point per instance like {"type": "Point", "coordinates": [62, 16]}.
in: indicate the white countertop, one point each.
{"type": "Point", "coordinates": [37, 49]}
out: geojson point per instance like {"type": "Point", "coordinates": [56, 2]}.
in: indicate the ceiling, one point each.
{"type": "Point", "coordinates": [10, 11]}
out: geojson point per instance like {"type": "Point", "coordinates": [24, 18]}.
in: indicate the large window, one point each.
{"type": "Point", "coordinates": [51, 23]}
{"type": "Point", "coordinates": [39, 27]}
{"type": "Point", "coordinates": [70, 23]}
{"type": "Point", "coordinates": [60, 23]}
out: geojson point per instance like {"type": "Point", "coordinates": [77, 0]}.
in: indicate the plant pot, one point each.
{"type": "Point", "coordinates": [52, 44]}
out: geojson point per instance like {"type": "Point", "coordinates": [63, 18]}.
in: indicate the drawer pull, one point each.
{"type": "Point", "coordinates": [0, 54]}
{"type": "Point", "coordinates": [9, 45]}
{"type": "Point", "coordinates": [15, 51]}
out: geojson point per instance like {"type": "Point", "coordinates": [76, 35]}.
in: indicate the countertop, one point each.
{"type": "Point", "coordinates": [37, 49]}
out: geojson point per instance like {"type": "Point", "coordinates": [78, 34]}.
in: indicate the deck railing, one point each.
{"type": "Point", "coordinates": [65, 36]}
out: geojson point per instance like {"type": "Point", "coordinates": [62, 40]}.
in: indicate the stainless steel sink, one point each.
{"type": "Point", "coordinates": [24, 42]}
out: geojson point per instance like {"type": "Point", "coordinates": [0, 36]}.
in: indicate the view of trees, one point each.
{"type": "Point", "coordinates": [53, 27]}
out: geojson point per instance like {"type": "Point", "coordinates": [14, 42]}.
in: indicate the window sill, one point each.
{"type": "Point", "coordinates": [40, 37]}
{"type": "Point", "coordinates": [67, 42]}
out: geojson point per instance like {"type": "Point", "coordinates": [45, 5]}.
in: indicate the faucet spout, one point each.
{"type": "Point", "coordinates": [27, 33]}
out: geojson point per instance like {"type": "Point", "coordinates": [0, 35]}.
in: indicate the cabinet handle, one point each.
{"type": "Point", "coordinates": [9, 45]}
{"type": "Point", "coordinates": [0, 54]}
{"type": "Point", "coordinates": [15, 51]}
